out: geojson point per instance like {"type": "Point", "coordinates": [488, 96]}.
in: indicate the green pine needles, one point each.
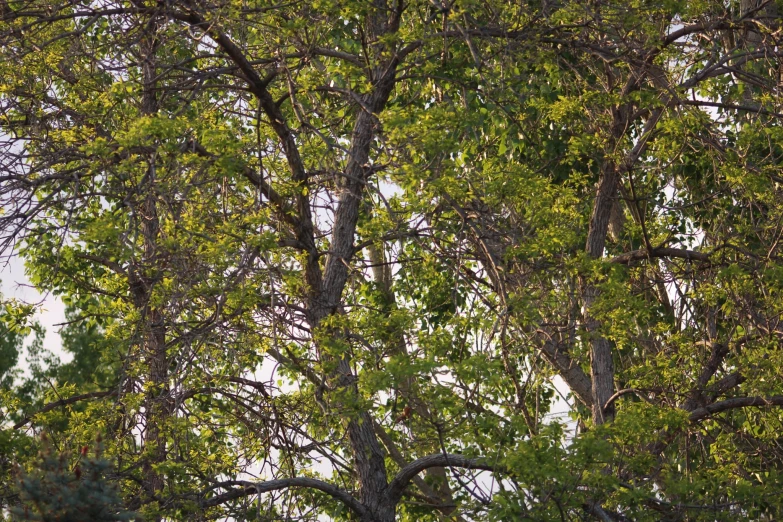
{"type": "Point", "coordinates": [59, 490]}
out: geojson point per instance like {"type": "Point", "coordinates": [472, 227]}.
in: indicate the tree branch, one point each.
{"type": "Point", "coordinates": [694, 28]}
{"type": "Point", "coordinates": [626, 391]}
{"type": "Point", "coordinates": [731, 106]}
{"type": "Point", "coordinates": [65, 402]}
{"type": "Point", "coordinates": [737, 402]}
{"type": "Point", "coordinates": [283, 206]}
{"type": "Point", "coordinates": [718, 352]}
{"type": "Point", "coordinates": [638, 255]}
{"type": "Point", "coordinates": [249, 488]}
{"type": "Point", "coordinates": [397, 457]}
{"type": "Point", "coordinates": [258, 86]}
{"type": "Point", "coordinates": [443, 460]}
{"type": "Point", "coordinates": [573, 374]}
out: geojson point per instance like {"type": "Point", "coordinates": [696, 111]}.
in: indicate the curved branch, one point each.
{"type": "Point", "coordinates": [737, 402]}
{"type": "Point", "coordinates": [626, 391]}
{"type": "Point", "coordinates": [249, 488]}
{"type": "Point", "coordinates": [695, 28]}
{"type": "Point", "coordinates": [65, 402]}
{"type": "Point", "coordinates": [259, 386]}
{"type": "Point", "coordinates": [438, 460]}
{"type": "Point", "coordinates": [397, 457]}
{"type": "Point", "coordinates": [731, 106]}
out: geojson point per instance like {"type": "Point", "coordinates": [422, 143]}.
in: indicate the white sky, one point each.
{"type": "Point", "coordinates": [50, 310]}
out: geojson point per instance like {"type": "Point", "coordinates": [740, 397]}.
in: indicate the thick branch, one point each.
{"type": "Point", "coordinates": [256, 85]}
{"type": "Point", "coordinates": [444, 460]}
{"type": "Point", "coordinates": [699, 27]}
{"type": "Point", "coordinates": [576, 379]}
{"type": "Point", "coordinates": [397, 457]}
{"type": "Point", "coordinates": [249, 488]}
{"type": "Point", "coordinates": [731, 404]}
{"type": "Point", "coordinates": [718, 352]}
{"type": "Point", "coordinates": [725, 384]}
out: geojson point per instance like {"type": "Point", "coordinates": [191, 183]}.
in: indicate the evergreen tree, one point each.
{"type": "Point", "coordinates": [58, 491]}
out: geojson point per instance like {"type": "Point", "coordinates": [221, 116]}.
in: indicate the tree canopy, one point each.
{"type": "Point", "coordinates": [386, 260]}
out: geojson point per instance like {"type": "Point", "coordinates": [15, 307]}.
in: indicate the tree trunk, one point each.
{"type": "Point", "coordinates": [601, 361]}
{"type": "Point", "coordinates": [153, 328]}
{"type": "Point", "coordinates": [368, 454]}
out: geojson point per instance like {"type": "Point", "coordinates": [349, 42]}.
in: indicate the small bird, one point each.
{"type": "Point", "coordinates": [405, 415]}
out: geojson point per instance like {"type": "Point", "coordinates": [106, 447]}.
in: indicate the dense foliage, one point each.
{"type": "Point", "coordinates": [53, 492]}
{"type": "Point", "coordinates": [388, 260]}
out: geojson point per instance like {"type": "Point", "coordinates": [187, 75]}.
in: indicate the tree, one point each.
{"type": "Point", "coordinates": [55, 492]}
{"type": "Point", "coordinates": [321, 249]}
{"type": "Point", "coordinates": [12, 334]}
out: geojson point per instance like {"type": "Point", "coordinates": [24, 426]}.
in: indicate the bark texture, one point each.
{"type": "Point", "coordinates": [153, 327]}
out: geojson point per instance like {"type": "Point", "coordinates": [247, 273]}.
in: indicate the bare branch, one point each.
{"type": "Point", "coordinates": [626, 391]}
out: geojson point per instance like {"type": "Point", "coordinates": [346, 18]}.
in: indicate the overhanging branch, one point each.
{"type": "Point", "coordinates": [249, 488]}
{"type": "Point", "coordinates": [737, 402]}
{"type": "Point", "coordinates": [443, 460]}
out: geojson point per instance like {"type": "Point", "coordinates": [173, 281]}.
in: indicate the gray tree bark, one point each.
{"type": "Point", "coordinates": [153, 328]}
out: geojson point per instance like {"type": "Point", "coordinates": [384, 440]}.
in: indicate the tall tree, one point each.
{"type": "Point", "coordinates": [327, 247]}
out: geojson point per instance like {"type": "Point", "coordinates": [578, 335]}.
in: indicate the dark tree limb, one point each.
{"type": "Point", "coordinates": [249, 488]}
{"type": "Point", "coordinates": [732, 404]}
{"type": "Point", "coordinates": [725, 384]}
{"type": "Point", "coordinates": [444, 460]}
{"type": "Point", "coordinates": [258, 87]}
{"type": "Point", "coordinates": [626, 391]}
{"type": "Point", "coordinates": [65, 402]}
{"type": "Point", "coordinates": [573, 374]}
{"type": "Point", "coordinates": [428, 492]}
